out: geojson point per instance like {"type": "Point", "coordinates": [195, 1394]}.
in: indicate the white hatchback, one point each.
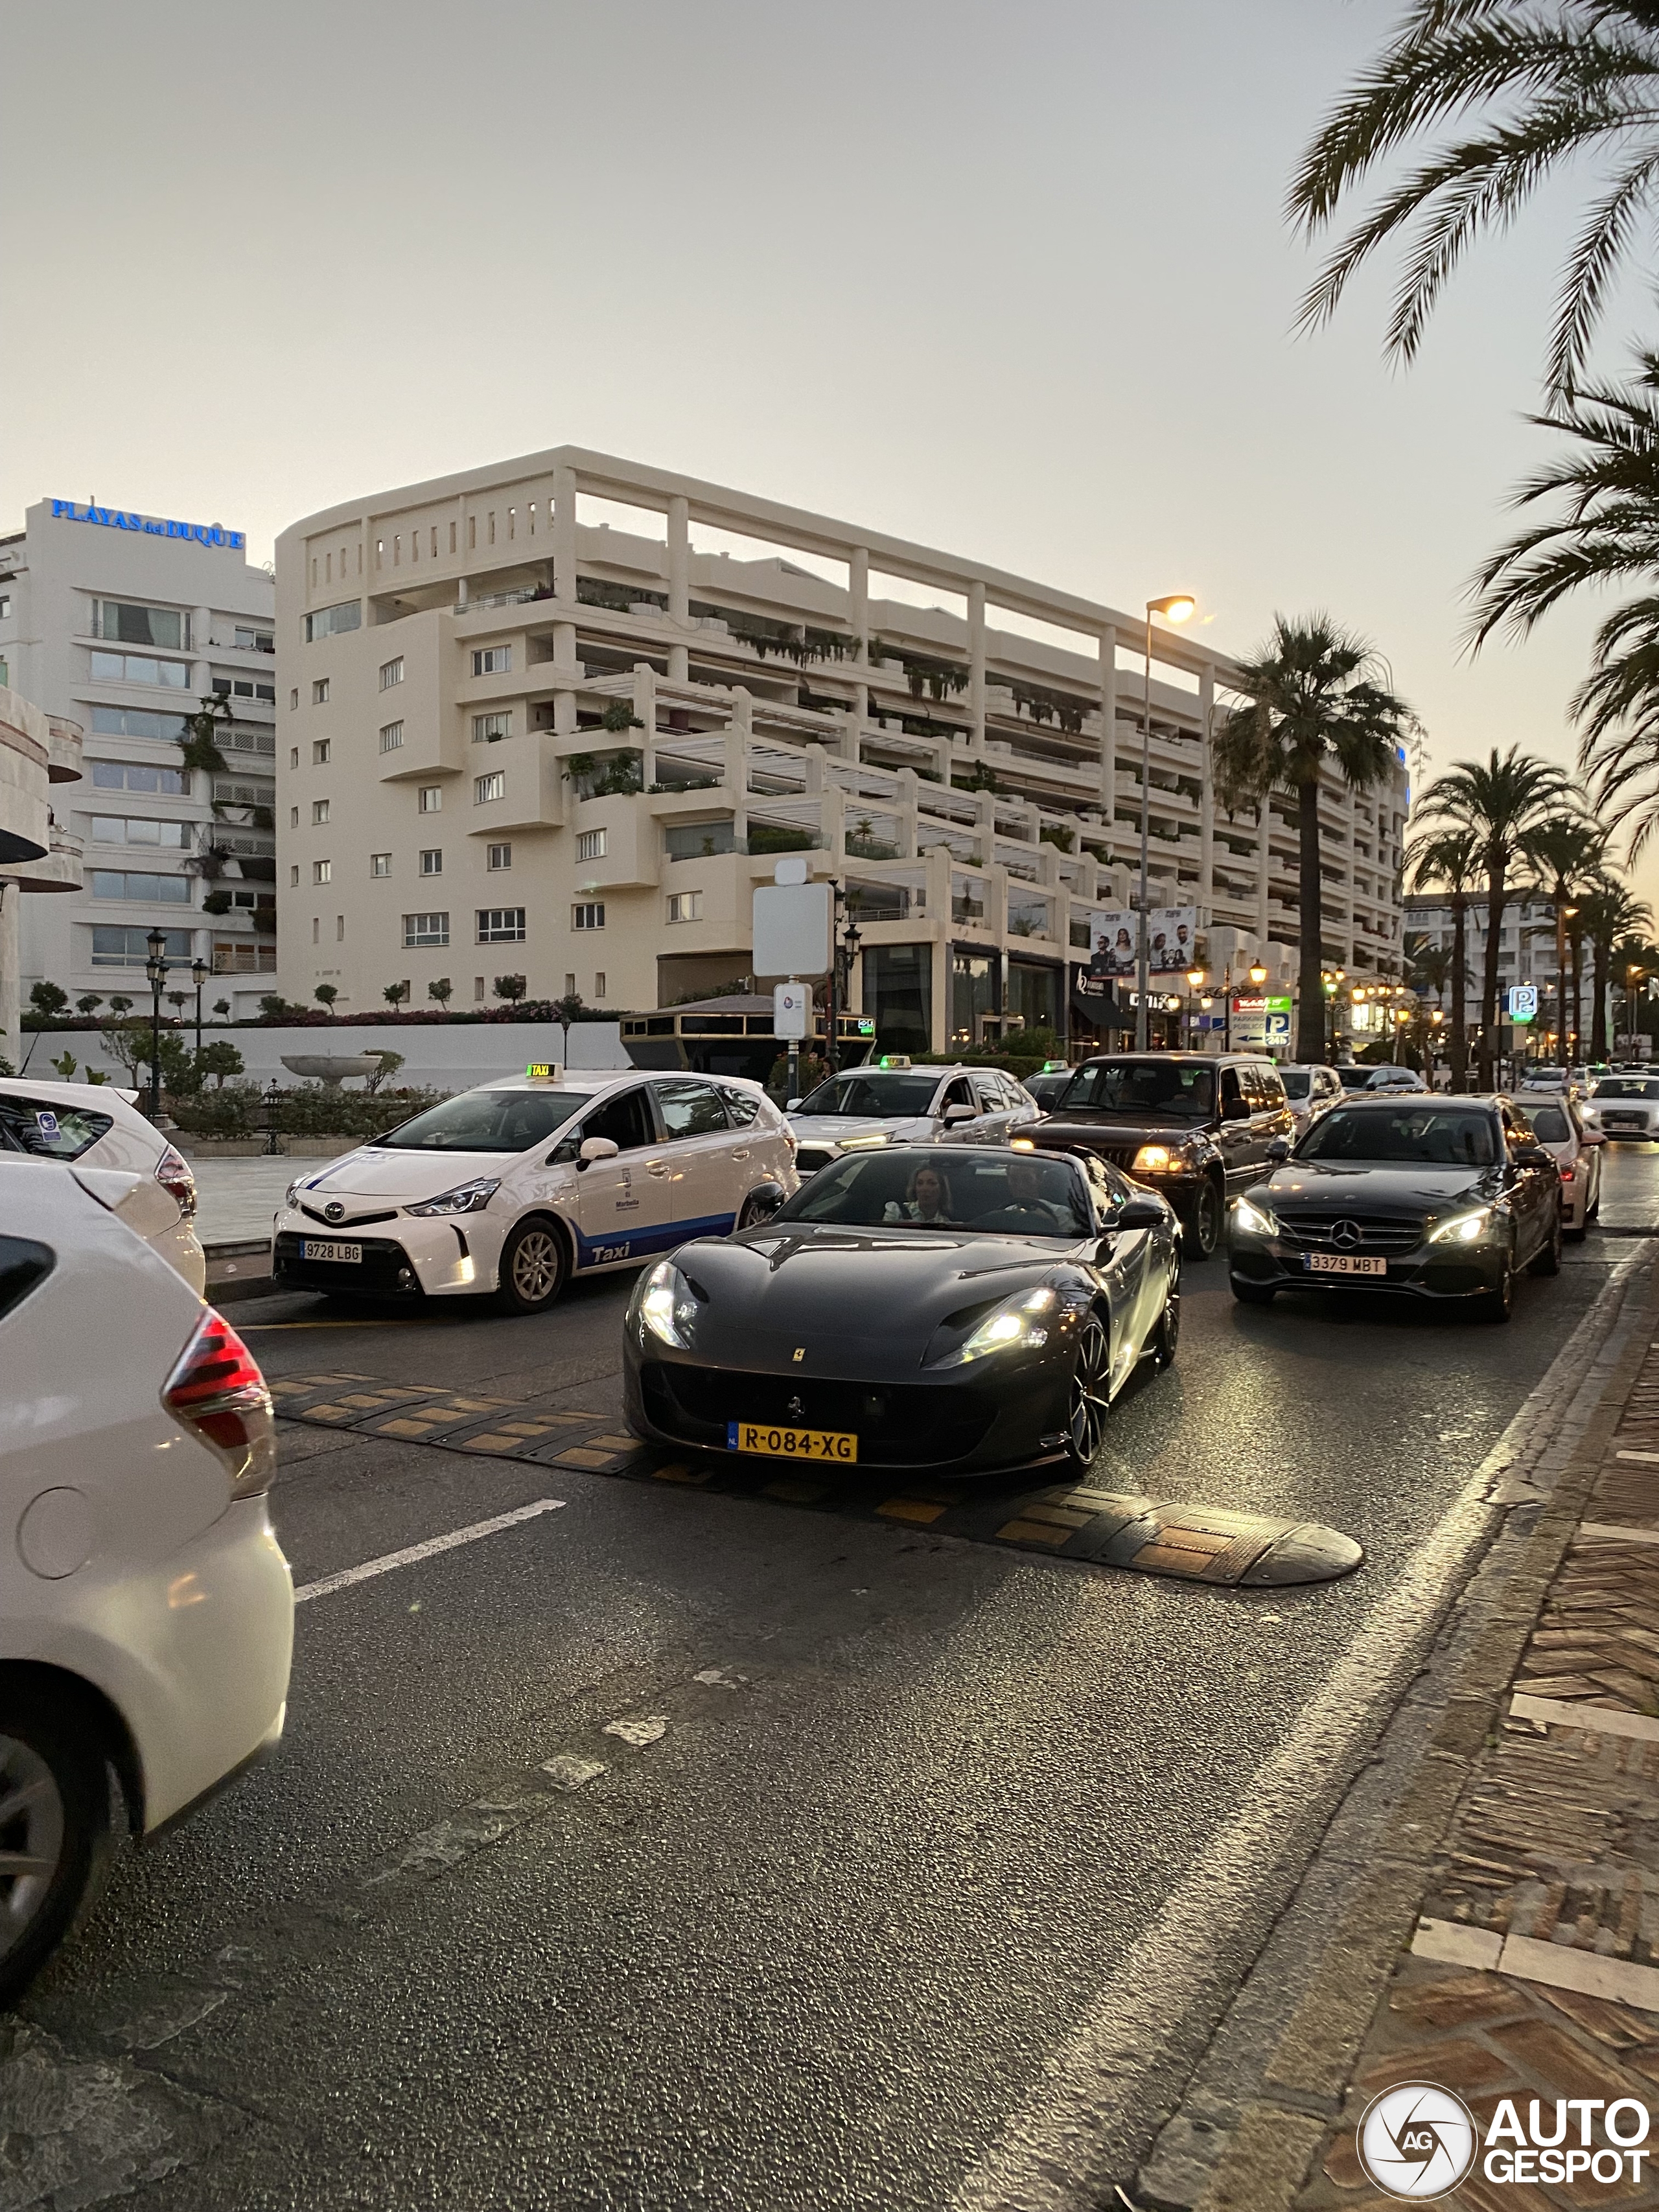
{"type": "Point", "coordinates": [513, 1188]}
{"type": "Point", "coordinates": [146, 1612]}
{"type": "Point", "coordinates": [99, 1126]}
{"type": "Point", "coordinates": [1558, 1123]}
{"type": "Point", "coordinates": [1624, 1106]}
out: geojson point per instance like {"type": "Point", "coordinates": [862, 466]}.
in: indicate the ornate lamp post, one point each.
{"type": "Point", "coordinates": [199, 974]}
{"type": "Point", "coordinates": [156, 969]}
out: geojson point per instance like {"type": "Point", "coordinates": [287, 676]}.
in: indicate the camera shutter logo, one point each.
{"type": "Point", "coordinates": [1417, 2141]}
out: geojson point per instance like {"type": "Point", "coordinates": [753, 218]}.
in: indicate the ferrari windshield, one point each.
{"type": "Point", "coordinates": [887, 1095]}
{"type": "Point", "coordinates": [1143, 1088]}
{"type": "Point", "coordinates": [912, 1188]}
{"type": "Point", "coordinates": [487, 1122]}
{"type": "Point", "coordinates": [1424, 1136]}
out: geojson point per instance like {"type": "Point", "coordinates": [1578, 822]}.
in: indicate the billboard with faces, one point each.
{"type": "Point", "coordinates": [1171, 936]}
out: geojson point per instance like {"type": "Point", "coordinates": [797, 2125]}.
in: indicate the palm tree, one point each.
{"type": "Point", "coordinates": [1500, 803]}
{"type": "Point", "coordinates": [1449, 858]}
{"type": "Point", "coordinates": [1524, 89]}
{"type": "Point", "coordinates": [1312, 703]}
{"type": "Point", "coordinates": [1568, 852]}
{"type": "Point", "coordinates": [1612, 916]}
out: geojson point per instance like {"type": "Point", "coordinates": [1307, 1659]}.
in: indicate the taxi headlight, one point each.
{"type": "Point", "coordinates": [292, 1196]}
{"type": "Point", "coordinates": [465, 1197]}
{"type": "Point", "coordinates": [666, 1306]}
{"type": "Point", "coordinates": [1157, 1160]}
{"type": "Point", "coordinates": [1253, 1220]}
{"type": "Point", "coordinates": [1463, 1228]}
{"type": "Point", "coordinates": [1019, 1324]}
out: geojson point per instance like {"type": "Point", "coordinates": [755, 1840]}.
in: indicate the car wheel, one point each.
{"type": "Point", "coordinates": [1201, 1221]}
{"type": "Point", "coordinates": [1499, 1304]}
{"type": "Point", "coordinates": [1547, 1260]}
{"type": "Point", "coordinates": [1250, 1294]}
{"type": "Point", "coordinates": [55, 1838]}
{"type": "Point", "coordinates": [1167, 1335]}
{"type": "Point", "coordinates": [1087, 1406]}
{"type": "Point", "coordinates": [533, 1267]}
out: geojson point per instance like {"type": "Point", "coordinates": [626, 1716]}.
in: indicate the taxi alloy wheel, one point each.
{"type": "Point", "coordinates": [54, 1833]}
{"type": "Point", "coordinates": [1089, 1406]}
{"type": "Point", "coordinates": [533, 1267]}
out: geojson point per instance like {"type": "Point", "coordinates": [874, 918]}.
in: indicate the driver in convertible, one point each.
{"type": "Point", "coordinates": [1027, 1213]}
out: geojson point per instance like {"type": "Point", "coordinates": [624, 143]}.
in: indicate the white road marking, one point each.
{"type": "Point", "coordinates": [639, 1733]}
{"type": "Point", "coordinates": [1057, 2151]}
{"type": "Point", "coordinates": [1597, 1720]}
{"type": "Point", "coordinates": [1612, 1532]}
{"type": "Point", "coordinates": [413, 1553]}
{"type": "Point", "coordinates": [1449, 1944]}
{"type": "Point", "coordinates": [1648, 1459]}
{"type": "Point", "coordinates": [1558, 1966]}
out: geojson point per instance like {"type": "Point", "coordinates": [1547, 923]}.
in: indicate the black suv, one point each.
{"type": "Point", "coordinates": [1193, 1126]}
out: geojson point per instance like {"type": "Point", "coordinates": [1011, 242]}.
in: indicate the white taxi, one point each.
{"type": "Point", "coordinates": [512, 1189]}
{"type": "Point", "coordinates": [96, 1126]}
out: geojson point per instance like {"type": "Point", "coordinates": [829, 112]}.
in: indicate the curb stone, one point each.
{"type": "Point", "coordinates": [1297, 2108]}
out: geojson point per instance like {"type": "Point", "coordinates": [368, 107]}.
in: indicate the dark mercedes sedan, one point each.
{"type": "Point", "coordinates": [1429, 1198]}
{"type": "Point", "coordinates": [913, 1307]}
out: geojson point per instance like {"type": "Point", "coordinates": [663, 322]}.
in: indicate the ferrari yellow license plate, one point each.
{"type": "Point", "coordinates": [790, 1443]}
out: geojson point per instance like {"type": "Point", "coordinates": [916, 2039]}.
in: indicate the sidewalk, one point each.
{"type": "Point", "coordinates": [1506, 1943]}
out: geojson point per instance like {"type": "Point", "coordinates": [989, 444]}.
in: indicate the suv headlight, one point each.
{"type": "Point", "coordinates": [1019, 1324]}
{"type": "Point", "coordinates": [1251, 1220]}
{"type": "Point", "coordinates": [1463, 1228]}
{"type": "Point", "coordinates": [1159, 1159]}
{"type": "Point", "coordinates": [666, 1306]}
{"type": "Point", "coordinates": [465, 1197]}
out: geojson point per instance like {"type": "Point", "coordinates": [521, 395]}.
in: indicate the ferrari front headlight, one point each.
{"type": "Point", "coordinates": [1019, 1324]}
{"type": "Point", "coordinates": [667, 1307]}
{"type": "Point", "coordinates": [1252, 1220]}
{"type": "Point", "coordinates": [1463, 1228]}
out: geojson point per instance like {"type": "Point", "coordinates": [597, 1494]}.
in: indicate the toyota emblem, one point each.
{"type": "Point", "coordinates": [334, 1211]}
{"type": "Point", "coordinates": [1345, 1235]}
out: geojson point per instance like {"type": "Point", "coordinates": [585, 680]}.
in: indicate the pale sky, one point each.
{"type": "Point", "coordinates": [1010, 277]}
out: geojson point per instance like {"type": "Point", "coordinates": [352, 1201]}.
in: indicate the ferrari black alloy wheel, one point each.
{"type": "Point", "coordinates": [1167, 1335]}
{"type": "Point", "coordinates": [1089, 1407]}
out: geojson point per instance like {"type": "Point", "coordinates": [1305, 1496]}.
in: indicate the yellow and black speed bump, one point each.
{"type": "Point", "coordinates": [1071, 1520]}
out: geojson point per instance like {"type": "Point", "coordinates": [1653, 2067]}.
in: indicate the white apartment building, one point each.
{"type": "Point", "coordinates": [122, 623]}
{"type": "Point", "coordinates": [1526, 948]}
{"type": "Point", "coordinates": [557, 718]}
{"type": "Point", "coordinates": [37, 855]}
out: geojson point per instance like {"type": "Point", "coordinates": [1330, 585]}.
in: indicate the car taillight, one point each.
{"type": "Point", "coordinates": [217, 1391]}
{"type": "Point", "coordinates": [173, 1172]}
{"type": "Point", "coordinates": [1566, 1174]}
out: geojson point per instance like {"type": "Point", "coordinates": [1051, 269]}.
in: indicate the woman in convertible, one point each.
{"type": "Point", "coordinates": [927, 1198]}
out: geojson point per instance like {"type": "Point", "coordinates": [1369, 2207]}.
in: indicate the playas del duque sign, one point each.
{"type": "Point", "coordinates": [113, 518]}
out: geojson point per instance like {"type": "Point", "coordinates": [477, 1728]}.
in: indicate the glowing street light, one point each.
{"type": "Point", "coordinates": [1175, 607]}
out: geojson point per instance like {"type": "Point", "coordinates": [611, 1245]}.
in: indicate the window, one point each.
{"type": "Point", "coordinates": [123, 829]}
{"type": "Point", "coordinates": [569, 986]}
{"type": "Point", "coordinates": [293, 877]}
{"type": "Point", "coordinates": [478, 981]}
{"type": "Point", "coordinates": [486, 787]}
{"type": "Point", "coordinates": [320, 692]}
{"type": "Point", "coordinates": [628, 1121]}
{"type": "Point", "coordinates": [137, 668]}
{"type": "Point", "coordinates": [328, 622]}
{"type": "Point", "coordinates": [231, 957]}
{"type": "Point", "coordinates": [690, 1109]}
{"type": "Point", "coordinates": [294, 757]}
{"type": "Point", "coordinates": [293, 818]}
{"type": "Point", "coordinates": [391, 672]}
{"type": "Point", "coordinates": [598, 982]}
{"type": "Point", "coordinates": [588, 914]}
{"type": "Point", "coordinates": [321, 751]}
{"type": "Point", "coordinates": [426, 929]}
{"type": "Point", "coordinates": [255, 641]}
{"type": "Point", "coordinates": [432, 861]}
{"type": "Point", "coordinates": [128, 776]}
{"type": "Point", "coordinates": [500, 856]}
{"type": "Point", "coordinates": [685, 906]}
{"type": "Point", "coordinates": [322, 871]}
{"type": "Point", "coordinates": [116, 884]}
{"type": "Point", "coordinates": [432, 798]}
{"type": "Point", "coordinates": [294, 698]}
{"type": "Point", "coordinates": [319, 810]}
{"type": "Point", "coordinates": [126, 624]}
{"type": "Point", "coordinates": [316, 929]}
{"type": "Point", "coordinates": [136, 722]}
{"type": "Point", "coordinates": [697, 841]}
{"type": "Point", "coordinates": [490, 729]}
{"type": "Point", "coordinates": [492, 661]}
{"type": "Point", "coordinates": [126, 948]}
{"type": "Point", "coordinates": [501, 924]}
{"type": "Point", "coordinates": [391, 737]}
{"type": "Point", "coordinates": [742, 1106]}
{"type": "Point", "coordinates": [590, 844]}
{"type": "Point", "coordinates": [379, 864]}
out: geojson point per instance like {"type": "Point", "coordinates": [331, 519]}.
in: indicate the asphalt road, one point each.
{"type": "Point", "coordinates": [893, 1822]}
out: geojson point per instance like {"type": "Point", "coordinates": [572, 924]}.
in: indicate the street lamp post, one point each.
{"type": "Point", "coordinates": [1194, 985]}
{"type": "Point", "coordinates": [1562, 912]}
{"type": "Point", "coordinates": [199, 973]}
{"type": "Point", "coordinates": [1175, 607]}
{"type": "Point", "coordinates": [156, 969]}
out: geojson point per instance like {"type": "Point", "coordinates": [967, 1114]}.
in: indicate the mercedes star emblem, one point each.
{"type": "Point", "coordinates": [1345, 1235]}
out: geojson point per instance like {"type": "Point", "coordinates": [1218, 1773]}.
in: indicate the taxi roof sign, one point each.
{"type": "Point", "coordinates": [541, 1071]}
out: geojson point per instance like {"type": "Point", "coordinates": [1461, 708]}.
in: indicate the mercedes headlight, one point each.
{"type": "Point", "coordinates": [1252, 1220]}
{"type": "Point", "coordinates": [1463, 1228]}
{"type": "Point", "coordinates": [465, 1197]}
{"type": "Point", "coordinates": [1019, 1324]}
{"type": "Point", "coordinates": [1157, 1160]}
{"type": "Point", "coordinates": [667, 1308]}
